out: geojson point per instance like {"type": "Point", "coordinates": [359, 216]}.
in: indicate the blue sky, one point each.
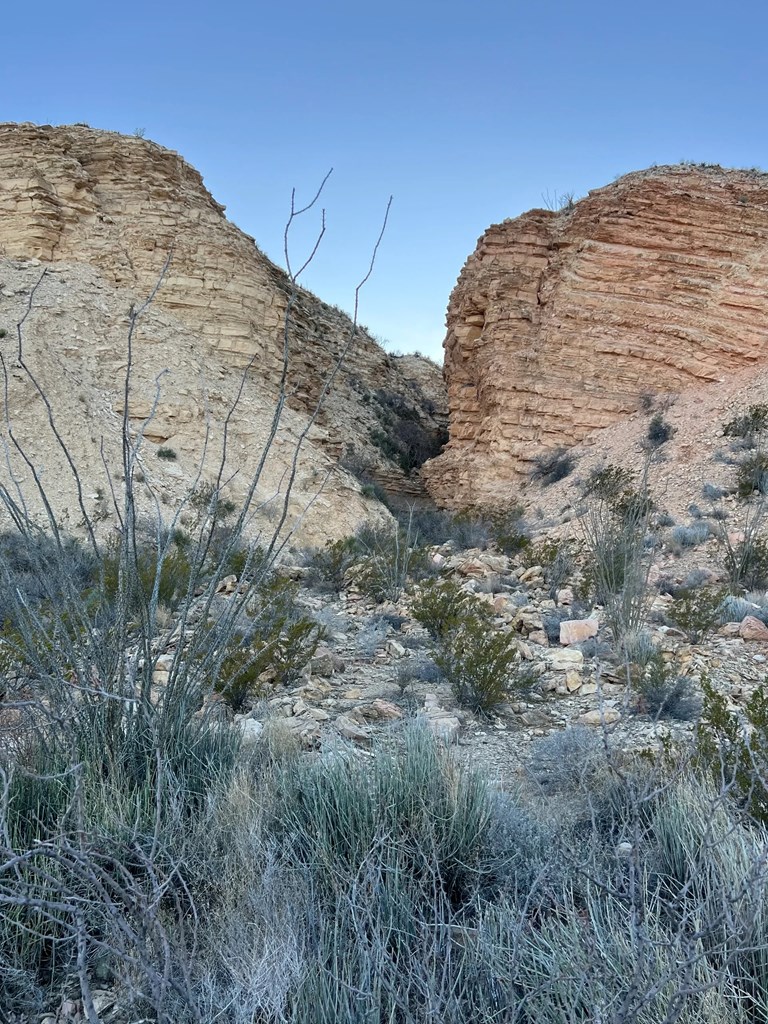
{"type": "Point", "coordinates": [466, 112]}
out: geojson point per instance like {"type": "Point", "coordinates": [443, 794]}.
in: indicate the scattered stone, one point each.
{"type": "Point", "coordinates": [539, 637]}
{"type": "Point", "coordinates": [444, 726]}
{"type": "Point", "coordinates": [572, 681]}
{"type": "Point", "coordinates": [326, 663]}
{"type": "Point", "coordinates": [600, 716]}
{"type": "Point", "coordinates": [562, 658]}
{"type": "Point", "coordinates": [751, 628]}
{"type": "Point", "coordinates": [565, 596]}
{"type": "Point", "coordinates": [352, 730]}
{"type": "Point", "coordinates": [576, 631]}
{"type": "Point", "coordinates": [395, 649]}
{"type": "Point", "coordinates": [381, 710]}
{"type": "Point", "coordinates": [533, 573]}
{"type": "Point", "coordinates": [250, 730]}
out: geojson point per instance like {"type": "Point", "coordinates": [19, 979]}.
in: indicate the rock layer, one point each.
{"type": "Point", "coordinates": [561, 322]}
{"type": "Point", "coordinates": [114, 216]}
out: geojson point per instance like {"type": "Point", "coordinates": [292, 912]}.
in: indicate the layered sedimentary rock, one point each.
{"type": "Point", "coordinates": [109, 220]}
{"type": "Point", "coordinates": [561, 321]}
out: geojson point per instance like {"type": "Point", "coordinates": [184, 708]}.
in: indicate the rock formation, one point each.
{"type": "Point", "coordinates": [561, 321]}
{"type": "Point", "coordinates": [98, 215]}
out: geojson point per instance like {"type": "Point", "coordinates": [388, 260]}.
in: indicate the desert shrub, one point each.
{"type": "Point", "coordinates": [40, 572]}
{"type": "Point", "coordinates": [508, 529]}
{"type": "Point", "coordinates": [712, 492]}
{"type": "Point", "coordinates": [659, 431]}
{"type": "Point", "coordinates": [273, 642]}
{"type": "Point", "coordinates": [442, 605]}
{"type": "Point", "coordinates": [388, 558]}
{"type": "Point", "coordinates": [433, 526]}
{"type": "Point", "coordinates": [160, 571]}
{"type": "Point", "coordinates": [735, 609]}
{"type": "Point", "coordinates": [607, 483]}
{"type": "Point", "coordinates": [747, 563]}
{"type": "Point", "coordinates": [734, 748]}
{"type": "Point", "coordinates": [549, 467]}
{"type": "Point", "coordinates": [568, 760]}
{"type": "Point", "coordinates": [691, 536]}
{"type": "Point", "coordinates": [207, 502]}
{"type": "Point", "coordinates": [615, 529]}
{"type": "Point", "coordinates": [403, 435]}
{"type": "Point", "coordinates": [418, 669]}
{"type": "Point", "coordinates": [639, 648]}
{"type": "Point", "coordinates": [696, 612]}
{"type": "Point", "coordinates": [663, 694]}
{"type": "Point", "coordinates": [748, 425]}
{"type": "Point", "coordinates": [481, 663]}
{"type": "Point", "coordinates": [167, 454]}
{"type": "Point", "coordinates": [752, 475]}
{"type": "Point", "coordinates": [556, 557]}
{"type": "Point", "coordinates": [330, 565]}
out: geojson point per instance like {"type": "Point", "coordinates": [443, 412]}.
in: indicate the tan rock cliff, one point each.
{"type": "Point", "coordinates": [559, 322]}
{"type": "Point", "coordinates": [101, 213]}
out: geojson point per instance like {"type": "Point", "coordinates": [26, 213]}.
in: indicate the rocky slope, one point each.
{"type": "Point", "coordinates": [560, 322]}
{"type": "Point", "coordinates": [96, 215]}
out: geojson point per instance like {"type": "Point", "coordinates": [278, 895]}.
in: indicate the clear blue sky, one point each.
{"type": "Point", "coordinates": [467, 112]}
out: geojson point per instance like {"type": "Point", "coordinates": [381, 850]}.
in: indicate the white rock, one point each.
{"type": "Point", "coordinates": [250, 730]}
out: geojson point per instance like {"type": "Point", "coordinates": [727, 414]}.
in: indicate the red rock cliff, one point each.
{"type": "Point", "coordinates": [560, 321]}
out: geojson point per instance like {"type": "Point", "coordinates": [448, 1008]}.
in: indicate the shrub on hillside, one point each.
{"type": "Point", "coordinates": [752, 475]}
{"type": "Point", "coordinates": [696, 612]}
{"type": "Point", "coordinates": [691, 536]}
{"type": "Point", "coordinates": [749, 425]}
{"type": "Point", "coordinates": [659, 431]}
{"type": "Point", "coordinates": [747, 563]}
{"type": "Point", "coordinates": [549, 467]}
{"type": "Point", "coordinates": [442, 605]}
{"type": "Point", "coordinates": [481, 663]}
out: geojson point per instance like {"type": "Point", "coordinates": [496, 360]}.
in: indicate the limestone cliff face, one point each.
{"type": "Point", "coordinates": [107, 212]}
{"type": "Point", "coordinates": [559, 322]}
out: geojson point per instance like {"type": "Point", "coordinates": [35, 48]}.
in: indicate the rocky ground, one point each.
{"type": "Point", "coordinates": [374, 670]}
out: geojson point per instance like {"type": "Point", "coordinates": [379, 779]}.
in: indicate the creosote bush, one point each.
{"type": "Point", "coordinates": [752, 475]}
{"type": "Point", "coordinates": [665, 694]}
{"type": "Point", "coordinates": [733, 747]}
{"type": "Point", "coordinates": [273, 642]}
{"type": "Point", "coordinates": [549, 467]}
{"type": "Point", "coordinates": [442, 605]}
{"type": "Point", "coordinates": [481, 663]}
{"type": "Point", "coordinates": [696, 612]}
{"type": "Point", "coordinates": [659, 431]}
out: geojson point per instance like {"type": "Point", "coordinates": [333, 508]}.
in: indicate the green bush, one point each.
{"type": "Point", "coordinates": [747, 563]}
{"type": "Point", "coordinates": [331, 564]}
{"type": "Point", "coordinates": [733, 747]}
{"type": "Point", "coordinates": [696, 612]}
{"type": "Point", "coordinates": [659, 431]}
{"type": "Point", "coordinates": [749, 425]}
{"type": "Point", "coordinates": [442, 605]}
{"type": "Point", "coordinates": [752, 475]}
{"type": "Point", "coordinates": [169, 577]}
{"type": "Point", "coordinates": [168, 454]}
{"type": "Point", "coordinates": [664, 694]}
{"type": "Point", "coordinates": [389, 557]}
{"type": "Point", "coordinates": [271, 651]}
{"type": "Point", "coordinates": [482, 664]}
